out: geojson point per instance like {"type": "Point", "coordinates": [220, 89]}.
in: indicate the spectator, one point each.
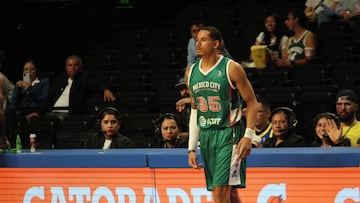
{"type": "Point", "coordinates": [284, 122]}
{"type": "Point", "coordinates": [183, 107]}
{"type": "Point", "coordinates": [263, 127]}
{"type": "Point", "coordinates": [6, 90]}
{"type": "Point", "coordinates": [108, 124]}
{"type": "Point", "coordinates": [192, 55]}
{"type": "Point", "coordinates": [293, 53]}
{"type": "Point", "coordinates": [6, 86]}
{"type": "Point", "coordinates": [319, 11]}
{"type": "Point", "coordinates": [191, 46]}
{"type": "Point", "coordinates": [30, 93]}
{"type": "Point", "coordinates": [328, 131]}
{"type": "Point", "coordinates": [72, 89]}
{"type": "Point", "coordinates": [167, 131]}
{"type": "Point", "coordinates": [272, 36]}
{"type": "Point", "coordinates": [346, 108]}
{"type": "Point", "coordinates": [3, 138]}
{"type": "Point", "coordinates": [348, 9]}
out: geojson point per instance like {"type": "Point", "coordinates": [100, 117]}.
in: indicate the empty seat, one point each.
{"type": "Point", "coordinates": [44, 127]}
{"type": "Point", "coordinates": [275, 77]}
{"type": "Point", "coordinates": [311, 74]}
{"type": "Point", "coordinates": [136, 101]}
{"type": "Point", "coordinates": [77, 123]}
{"type": "Point", "coordinates": [333, 30]}
{"type": "Point", "coordinates": [283, 96]}
{"type": "Point", "coordinates": [316, 99]}
{"type": "Point", "coordinates": [75, 140]}
{"type": "Point", "coordinates": [346, 75]}
{"type": "Point", "coordinates": [139, 127]}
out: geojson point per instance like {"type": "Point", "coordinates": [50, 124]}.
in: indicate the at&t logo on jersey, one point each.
{"type": "Point", "coordinates": [210, 121]}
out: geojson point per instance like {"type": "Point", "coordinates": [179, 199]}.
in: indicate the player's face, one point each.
{"type": "Point", "coordinates": [204, 44]}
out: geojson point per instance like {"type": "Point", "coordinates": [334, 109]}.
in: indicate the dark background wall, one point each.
{"type": "Point", "coordinates": [49, 30]}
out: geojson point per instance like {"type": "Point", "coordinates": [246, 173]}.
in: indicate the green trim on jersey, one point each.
{"type": "Point", "coordinates": [296, 49]}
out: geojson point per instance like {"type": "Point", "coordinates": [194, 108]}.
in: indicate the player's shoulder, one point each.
{"type": "Point", "coordinates": [235, 65]}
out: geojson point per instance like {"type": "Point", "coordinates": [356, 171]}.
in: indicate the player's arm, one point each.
{"type": "Point", "coordinates": [194, 130]}
{"type": "Point", "coordinates": [242, 84]}
{"type": "Point", "coordinates": [239, 79]}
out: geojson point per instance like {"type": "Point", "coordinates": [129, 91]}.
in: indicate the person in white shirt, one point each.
{"type": "Point", "coordinates": [348, 9]}
{"type": "Point", "coordinates": [72, 89]}
{"type": "Point", "coordinates": [319, 11]}
{"type": "Point", "coordinates": [272, 36]}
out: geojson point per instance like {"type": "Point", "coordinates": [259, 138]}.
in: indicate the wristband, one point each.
{"type": "Point", "coordinates": [256, 139]}
{"type": "Point", "coordinates": [192, 151]}
{"type": "Point", "coordinates": [249, 133]}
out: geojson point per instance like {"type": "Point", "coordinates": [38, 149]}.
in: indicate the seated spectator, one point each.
{"type": "Point", "coordinates": [167, 132]}
{"type": "Point", "coordinates": [6, 86]}
{"type": "Point", "coordinates": [4, 143]}
{"type": "Point", "coordinates": [191, 46]}
{"type": "Point", "coordinates": [71, 90]}
{"type": "Point", "coordinates": [223, 51]}
{"type": "Point", "coordinates": [319, 11]}
{"type": "Point", "coordinates": [108, 121]}
{"type": "Point", "coordinates": [2, 98]}
{"type": "Point", "coordinates": [348, 9]}
{"type": "Point", "coordinates": [272, 36]}
{"type": "Point", "coordinates": [183, 107]}
{"type": "Point", "coordinates": [293, 53]}
{"type": "Point", "coordinates": [328, 131]}
{"type": "Point", "coordinates": [263, 127]}
{"type": "Point", "coordinates": [6, 90]}
{"type": "Point", "coordinates": [30, 93]}
{"type": "Point", "coordinates": [346, 109]}
{"type": "Point", "coordinates": [284, 129]}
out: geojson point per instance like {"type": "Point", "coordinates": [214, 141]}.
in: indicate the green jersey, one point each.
{"type": "Point", "coordinates": [296, 49]}
{"type": "Point", "coordinates": [217, 99]}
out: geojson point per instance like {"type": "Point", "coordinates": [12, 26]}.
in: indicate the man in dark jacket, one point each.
{"type": "Point", "coordinates": [72, 89]}
{"type": "Point", "coordinates": [284, 129]}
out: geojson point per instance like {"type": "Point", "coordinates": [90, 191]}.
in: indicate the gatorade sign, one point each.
{"type": "Point", "coordinates": [145, 185]}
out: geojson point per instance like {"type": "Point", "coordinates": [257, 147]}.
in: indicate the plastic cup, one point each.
{"type": "Point", "coordinates": [258, 53]}
{"type": "Point", "coordinates": [274, 55]}
{"type": "Point", "coordinates": [32, 143]}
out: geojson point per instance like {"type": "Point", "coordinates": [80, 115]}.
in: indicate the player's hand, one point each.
{"type": "Point", "coordinates": [192, 159]}
{"type": "Point", "coordinates": [244, 147]}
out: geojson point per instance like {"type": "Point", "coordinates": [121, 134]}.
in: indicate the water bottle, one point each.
{"type": "Point", "coordinates": [18, 144]}
{"type": "Point", "coordinates": [32, 142]}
